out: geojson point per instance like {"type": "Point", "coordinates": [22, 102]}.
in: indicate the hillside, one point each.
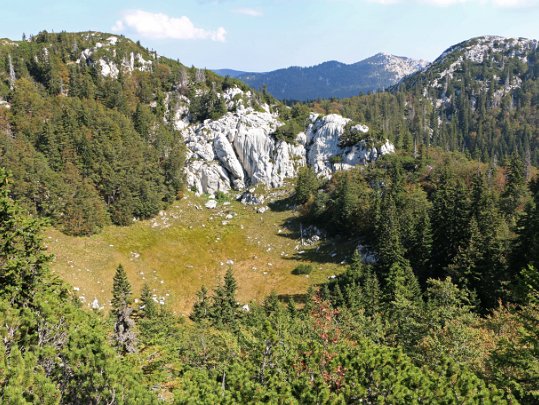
{"type": "Point", "coordinates": [97, 130]}
{"type": "Point", "coordinates": [331, 79]}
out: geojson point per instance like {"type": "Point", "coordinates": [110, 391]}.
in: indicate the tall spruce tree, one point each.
{"type": "Point", "coordinates": [201, 308]}
{"type": "Point", "coordinates": [121, 299]}
{"type": "Point", "coordinates": [388, 243]}
{"type": "Point", "coordinates": [23, 262]}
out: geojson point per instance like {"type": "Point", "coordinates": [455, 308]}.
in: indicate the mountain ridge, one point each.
{"type": "Point", "coordinates": [331, 78]}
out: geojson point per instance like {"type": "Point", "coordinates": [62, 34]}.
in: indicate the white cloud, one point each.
{"type": "Point", "coordinates": [251, 12]}
{"type": "Point", "coordinates": [162, 26]}
{"type": "Point", "coordinates": [446, 3]}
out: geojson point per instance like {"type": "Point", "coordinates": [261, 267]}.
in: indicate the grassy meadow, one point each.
{"type": "Point", "coordinates": [188, 246]}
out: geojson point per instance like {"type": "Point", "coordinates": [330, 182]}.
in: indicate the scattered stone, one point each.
{"type": "Point", "coordinates": [230, 262]}
{"type": "Point", "coordinates": [261, 210]}
{"type": "Point", "coordinates": [95, 305]}
{"type": "Point", "coordinates": [211, 204]}
{"type": "Point", "coordinates": [249, 198]}
{"type": "Point", "coordinates": [246, 308]}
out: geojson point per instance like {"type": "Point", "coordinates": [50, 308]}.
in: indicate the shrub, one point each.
{"type": "Point", "coordinates": [302, 269]}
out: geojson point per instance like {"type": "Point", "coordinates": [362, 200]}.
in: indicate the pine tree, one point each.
{"type": "Point", "coordinates": [291, 308]}
{"type": "Point", "coordinates": [372, 295]}
{"type": "Point", "coordinates": [450, 220]}
{"type": "Point", "coordinates": [147, 304]}
{"type": "Point", "coordinates": [121, 291]}
{"type": "Point", "coordinates": [224, 308]}
{"type": "Point", "coordinates": [271, 303]}
{"type": "Point", "coordinates": [405, 305]}
{"type": "Point", "coordinates": [306, 185]}
{"type": "Point", "coordinates": [23, 262]}
{"type": "Point", "coordinates": [525, 250]}
{"type": "Point", "coordinates": [201, 308]}
{"type": "Point", "coordinates": [515, 189]}
{"type": "Point", "coordinates": [389, 249]}
{"type": "Point", "coordinates": [121, 299]}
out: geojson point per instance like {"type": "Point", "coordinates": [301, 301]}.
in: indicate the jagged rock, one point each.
{"type": "Point", "coordinates": [238, 150]}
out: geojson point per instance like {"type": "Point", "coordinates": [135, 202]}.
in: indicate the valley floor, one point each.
{"type": "Point", "coordinates": [189, 245]}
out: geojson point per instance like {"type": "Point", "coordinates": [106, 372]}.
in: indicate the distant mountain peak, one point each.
{"type": "Point", "coordinates": [332, 78]}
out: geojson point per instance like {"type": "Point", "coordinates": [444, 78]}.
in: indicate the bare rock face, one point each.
{"type": "Point", "coordinates": [239, 150]}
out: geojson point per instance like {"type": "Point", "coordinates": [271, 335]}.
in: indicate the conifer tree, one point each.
{"type": "Point", "coordinates": [271, 303]}
{"type": "Point", "coordinates": [23, 262]}
{"type": "Point", "coordinates": [201, 308]}
{"type": "Point", "coordinates": [121, 300]}
{"type": "Point", "coordinates": [224, 308]}
{"type": "Point", "coordinates": [147, 303]}
{"type": "Point", "coordinates": [515, 189]}
{"type": "Point", "coordinates": [371, 293]}
{"type": "Point", "coordinates": [121, 291]}
{"type": "Point", "coordinates": [388, 243]}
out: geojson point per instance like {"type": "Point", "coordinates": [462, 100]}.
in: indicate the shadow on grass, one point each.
{"type": "Point", "coordinates": [284, 204]}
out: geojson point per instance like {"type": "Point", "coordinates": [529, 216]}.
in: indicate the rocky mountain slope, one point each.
{"type": "Point", "coordinates": [332, 79]}
{"type": "Point", "coordinates": [481, 95]}
{"type": "Point", "coordinates": [239, 149]}
{"type": "Point", "coordinates": [482, 64]}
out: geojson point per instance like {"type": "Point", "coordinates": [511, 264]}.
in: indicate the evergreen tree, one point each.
{"type": "Point", "coordinates": [525, 248]}
{"type": "Point", "coordinates": [23, 262]}
{"type": "Point", "coordinates": [224, 308]}
{"type": "Point", "coordinates": [121, 299]}
{"type": "Point", "coordinates": [450, 220]}
{"type": "Point", "coordinates": [201, 308]}
{"type": "Point", "coordinates": [389, 249]}
{"type": "Point", "coordinates": [306, 185]}
{"type": "Point", "coordinates": [515, 189]}
{"type": "Point", "coordinates": [121, 291]}
{"type": "Point", "coordinates": [147, 303]}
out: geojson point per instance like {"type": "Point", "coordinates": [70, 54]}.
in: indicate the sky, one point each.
{"type": "Point", "coordinates": [263, 35]}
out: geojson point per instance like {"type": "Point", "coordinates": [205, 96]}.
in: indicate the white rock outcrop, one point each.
{"type": "Point", "coordinates": [239, 151]}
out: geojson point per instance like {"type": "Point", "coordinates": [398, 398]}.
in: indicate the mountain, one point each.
{"type": "Point", "coordinates": [231, 72]}
{"type": "Point", "coordinates": [331, 79]}
{"type": "Point", "coordinates": [485, 97]}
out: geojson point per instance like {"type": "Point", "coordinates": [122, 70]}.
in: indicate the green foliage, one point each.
{"type": "Point", "coordinates": [23, 262]}
{"type": "Point", "coordinates": [306, 185]}
{"type": "Point", "coordinates": [99, 152]}
{"type": "Point", "coordinates": [121, 291]}
{"type": "Point", "coordinates": [295, 122]}
{"type": "Point", "coordinates": [302, 269]}
{"type": "Point", "coordinates": [52, 351]}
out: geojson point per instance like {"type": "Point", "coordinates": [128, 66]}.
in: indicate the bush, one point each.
{"type": "Point", "coordinates": [302, 269]}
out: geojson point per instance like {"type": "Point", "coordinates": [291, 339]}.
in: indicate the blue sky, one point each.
{"type": "Point", "coordinates": [260, 35]}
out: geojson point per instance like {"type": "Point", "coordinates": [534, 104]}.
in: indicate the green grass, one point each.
{"type": "Point", "coordinates": [185, 247]}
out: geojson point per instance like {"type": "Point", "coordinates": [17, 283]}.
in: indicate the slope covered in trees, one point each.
{"type": "Point", "coordinates": [86, 126]}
